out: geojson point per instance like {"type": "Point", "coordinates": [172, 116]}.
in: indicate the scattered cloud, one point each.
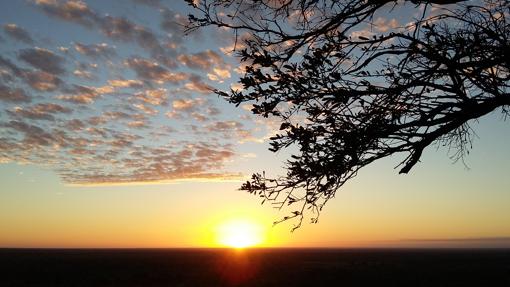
{"type": "Point", "coordinates": [42, 81]}
{"type": "Point", "coordinates": [43, 59]}
{"type": "Point", "coordinates": [18, 33]}
{"type": "Point", "coordinates": [208, 61]}
{"type": "Point", "coordinates": [202, 61]}
{"type": "Point", "coordinates": [146, 109]}
{"type": "Point", "coordinates": [72, 11]}
{"type": "Point", "coordinates": [118, 28]}
{"type": "Point", "coordinates": [96, 104]}
{"type": "Point", "coordinates": [173, 24]}
{"type": "Point", "coordinates": [95, 50]}
{"type": "Point", "coordinates": [11, 68]}
{"type": "Point", "coordinates": [121, 83]}
{"type": "Point", "coordinates": [197, 85]}
{"type": "Point", "coordinates": [152, 3]}
{"type": "Point", "coordinates": [152, 71]}
{"type": "Point", "coordinates": [74, 125]}
{"type": "Point", "coordinates": [44, 111]}
{"type": "Point", "coordinates": [13, 95]}
{"type": "Point", "coordinates": [80, 94]}
{"type": "Point", "coordinates": [33, 136]}
{"type": "Point", "coordinates": [83, 74]}
{"type": "Point", "coordinates": [187, 104]}
{"type": "Point", "coordinates": [224, 126]}
{"type": "Point", "coordinates": [155, 97]}
{"type": "Point", "coordinates": [365, 33]}
{"type": "Point", "coordinates": [138, 124]}
{"type": "Point", "coordinates": [384, 25]}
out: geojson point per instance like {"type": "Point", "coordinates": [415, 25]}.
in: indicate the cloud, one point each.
{"type": "Point", "coordinates": [72, 11]}
{"type": "Point", "coordinates": [84, 74]}
{"type": "Point", "coordinates": [8, 94]}
{"type": "Point", "coordinates": [197, 85]}
{"type": "Point", "coordinates": [152, 71]}
{"type": "Point", "coordinates": [146, 109]}
{"type": "Point", "coordinates": [213, 111]}
{"type": "Point", "coordinates": [10, 66]}
{"type": "Point", "coordinates": [18, 33]}
{"type": "Point", "coordinates": [365, 33]}
{"type": "Point", "coordinates": [138, 124]}
{"type": "Point", "coordinates": [44, 111]}
{"type": "Point", "coordinates": [74, 125]}
{"type": "Point", "coordinates": [98, 120]}
{"type": "Point", "coordinates": [148, 40]}
{"type": "Point", "coordinates": [152, 3]}
{"type": "Point", "coordinates": [173, 23]}
{"type": "Point", "coordinates": [121, 83]}
{"type": "Point", "coordinates": [237, 87]}
{"type": "Point", "coordinates": [95, 50]}
{"type": "Point", "coordinates": [232, 130]}
{"type": "Point", "coordinates": [234, 43]}
{"type": "Point", "coordinates": [33, 135]}
{"type": "Point", "coordinates": [202, 61]}
{"type": "Point", "coordinates": [37, 80]}
{"type": "Point", "coordinates": [116, 28]}
{"type": "Point", "coordinates": [113, 116]}
{"type": "Point", "coordinates": [42, 81]}
{"type": "Point", "coordinates": [384, 25]}
{"type": "Point", "coordinates": [187, 104]}
{"type": "Point", "coordinates": [224, 126]}
{"type": "Point", "coordinates": [122, 29]}
{"type": "Point", "coordinates": [220, 73]}
{"type": "Point", "coordinates": [86, 153]}
{"type": "Point", "coordinates": [43, 59]}
{"type": "Point", "coordinates": [187, 107]}
{"type": "Point", "coordinates": [199, 117]}
{"type": "Point", "coordinates": [191, 161]}
{"type": "Point", "coordinates": [114, 131]}
{"type": "Point", "coordinates": [207, 61]}
{"type": "Point", "coordinates": [154, 97]}
{"type": "Point", "coordinates": [79, 94]}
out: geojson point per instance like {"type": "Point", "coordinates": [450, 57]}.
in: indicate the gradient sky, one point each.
{"type": "Point", "coordinates": [110, 137]}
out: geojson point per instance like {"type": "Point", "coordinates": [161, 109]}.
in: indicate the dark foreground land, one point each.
{"type": "Point", "coordinates": [257, 267]}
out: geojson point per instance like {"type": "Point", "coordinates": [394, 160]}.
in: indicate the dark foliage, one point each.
{"type": "Point", "coordinates": [346, 99]}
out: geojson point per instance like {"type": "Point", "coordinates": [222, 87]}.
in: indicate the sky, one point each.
{"type": "Point", "coordinates": [110, 137]}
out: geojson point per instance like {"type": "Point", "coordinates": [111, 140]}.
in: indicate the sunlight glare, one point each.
{"type": "Point", "coordinates": [240, 233]}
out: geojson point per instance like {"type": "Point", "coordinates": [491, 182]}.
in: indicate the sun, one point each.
{"type": "Point", "coordinates": [240, 233]}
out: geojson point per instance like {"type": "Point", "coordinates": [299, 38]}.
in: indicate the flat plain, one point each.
{"type": "Point", "coordinates": [254, 267]}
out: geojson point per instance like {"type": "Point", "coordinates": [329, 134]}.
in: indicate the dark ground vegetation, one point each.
{"type": "Point", "coordinates": [263, 267]}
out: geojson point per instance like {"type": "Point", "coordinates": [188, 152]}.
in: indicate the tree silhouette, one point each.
{"type": "Point", "coordinates": [349, 90]}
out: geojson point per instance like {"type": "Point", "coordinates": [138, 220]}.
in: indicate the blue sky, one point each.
{"type": "Point", "coordinates": [107, 121]}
